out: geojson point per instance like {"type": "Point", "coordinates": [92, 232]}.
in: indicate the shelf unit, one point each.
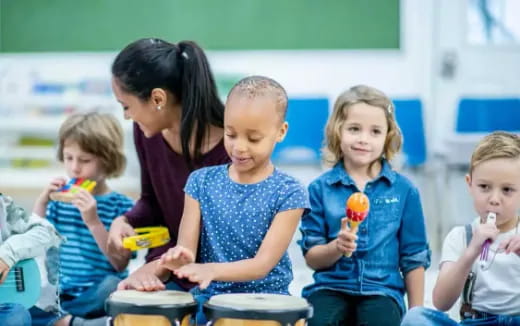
{"type": "Point", "coordinates": [11, 129]}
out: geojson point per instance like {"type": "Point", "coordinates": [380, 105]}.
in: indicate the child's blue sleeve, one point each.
{"type": "Point", "coordinates": [192, 187]}
{"type": "Point", "coordinates": [313, 225]}
{"type": "Point", "coordinates": [413, 244]}
{"type": "Point", "coordinates": [293, 196]}
{"type": "Point", "coordinates": [124, 205]}
{"type": "Point", "coordinates": [50, 213]}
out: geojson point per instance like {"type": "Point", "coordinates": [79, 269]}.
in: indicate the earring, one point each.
{"type": "Point", "coordinates": [158, 108]}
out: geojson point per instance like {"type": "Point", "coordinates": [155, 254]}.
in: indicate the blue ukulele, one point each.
{"type": "Point", "coordinates": [22, 284]}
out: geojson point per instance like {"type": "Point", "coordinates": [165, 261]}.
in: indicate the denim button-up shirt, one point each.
{"type": "Point", "coordinates": [391, 240]}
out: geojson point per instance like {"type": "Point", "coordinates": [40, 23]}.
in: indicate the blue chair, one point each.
{"type": "Point", "coordinates": [487, 115]}
{"type": "Point", "coordinates": [307, 118]}
{"type": "Point", "coordinates": [409, 115]}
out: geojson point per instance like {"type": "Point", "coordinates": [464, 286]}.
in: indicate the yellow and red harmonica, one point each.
{"type": "Point", "coordinates": [68, 191]}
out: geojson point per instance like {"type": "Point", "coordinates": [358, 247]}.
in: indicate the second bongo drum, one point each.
{"type": "Point", "coordinates": [250, 309]}
{"type": "Point", "coordinates": [161, 308]}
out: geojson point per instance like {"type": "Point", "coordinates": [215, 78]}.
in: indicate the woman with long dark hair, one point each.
{"type": "Point", "coordinates": [169, 92]}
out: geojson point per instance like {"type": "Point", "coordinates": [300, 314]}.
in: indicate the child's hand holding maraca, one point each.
{"type": "Point", "coordinates": [346, 240]}
{"type": "Point", "coordinates": [357, 208]}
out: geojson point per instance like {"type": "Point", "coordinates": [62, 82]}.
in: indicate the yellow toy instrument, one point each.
{"type": "Point", "coordinates": [147, 237]}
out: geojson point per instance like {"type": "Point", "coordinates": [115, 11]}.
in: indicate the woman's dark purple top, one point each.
{"type": "Point", "coordinates": [163, 177]}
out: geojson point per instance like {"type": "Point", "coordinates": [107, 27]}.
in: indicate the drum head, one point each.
{"type": "Point", "coordinates": [172, 304]}
{"type": "Point", "coordinates": [142, 298]}
{"type": "Point", "coordinates": [283, 308]}
{"type": "Point", "coordinates": [259, 301]}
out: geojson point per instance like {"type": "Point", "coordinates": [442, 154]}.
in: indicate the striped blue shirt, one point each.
{"type": "Point", "coordinates": [82, 263]}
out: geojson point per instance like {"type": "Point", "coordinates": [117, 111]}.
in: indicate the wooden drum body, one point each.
{"type": "Point", "coordinates": [161, 308]}
{"type": "Point", "coordinates": [250, 309]}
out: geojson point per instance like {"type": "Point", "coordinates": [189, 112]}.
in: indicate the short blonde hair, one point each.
{"type": "Point", "coordinates": [332, 153]}
{"type": "Point", "coordinates": [98, 134]}
{"type": "Point", "coordinates": [499, 144]}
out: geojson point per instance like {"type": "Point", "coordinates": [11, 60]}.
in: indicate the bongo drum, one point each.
{"type": "Point", "coordinates": [250, 309]}
{"type": "Point", "coordinates": [161, 308]}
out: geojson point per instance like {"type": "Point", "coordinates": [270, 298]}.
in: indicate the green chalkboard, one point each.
{"type": "Point", "coordinates": [108, 25]}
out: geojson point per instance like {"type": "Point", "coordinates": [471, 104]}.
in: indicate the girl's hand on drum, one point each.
{"type": "Point", "coordinates": [141, 281]}
{"type": "Point", "coordinates": [197, 273]}
{"type": "Point", "coordinates": [176, 257]}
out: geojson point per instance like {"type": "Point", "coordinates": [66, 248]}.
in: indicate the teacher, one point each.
{"type": "Point", "coordinates": [169, 92]}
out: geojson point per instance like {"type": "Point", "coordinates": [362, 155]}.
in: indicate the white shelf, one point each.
{"type": "Point", "coordinates": [28, 152]}
{"type": "Point", "coordinates": [72, 99]}
{"type": "Point", "coordinates": [39, 178]}
{"type": "Point", "coordinates": [31, 124]}
{"type": "Point", "coordinates": [41, 125]}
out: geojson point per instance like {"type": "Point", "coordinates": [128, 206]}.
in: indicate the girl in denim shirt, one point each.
{"type": "Point", "coordinates": [390, 251]}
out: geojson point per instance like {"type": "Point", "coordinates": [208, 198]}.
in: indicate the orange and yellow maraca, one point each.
{"type": "Point", "coordinates": [357, 208]}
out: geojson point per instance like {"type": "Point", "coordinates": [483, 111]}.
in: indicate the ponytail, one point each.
{"type": "Point", "coordinates": [201, 106]}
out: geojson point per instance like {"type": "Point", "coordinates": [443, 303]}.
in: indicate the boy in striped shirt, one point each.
{"type": "Point", "coordinates": [91, 147]}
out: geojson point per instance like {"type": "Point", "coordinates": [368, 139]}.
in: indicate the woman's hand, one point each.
{"type": "Point", "coordinates": [119, 230]}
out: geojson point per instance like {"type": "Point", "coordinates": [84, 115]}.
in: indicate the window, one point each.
{"type": "Point", "coordinates": [493, 22]}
